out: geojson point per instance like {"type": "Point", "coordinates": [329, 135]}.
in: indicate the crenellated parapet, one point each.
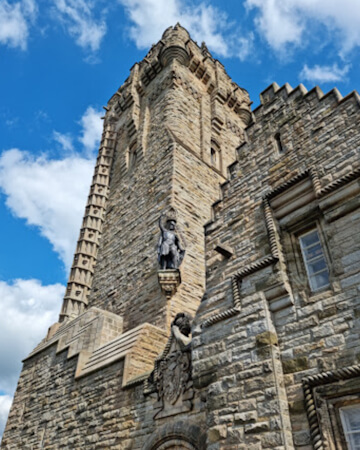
{"type": "Point", "coordinates": [229, 105]}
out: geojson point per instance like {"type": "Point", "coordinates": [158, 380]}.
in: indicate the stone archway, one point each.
{"type": "Point", "coordinates": [177, 436]}
{"type": "Point", "coordinates": [175, 444]}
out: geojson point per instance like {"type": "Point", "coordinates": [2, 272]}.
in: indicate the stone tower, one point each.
{"type": "Point", "coordinates": [169, 134]}
{"type": "Point", "coordinates": [262, 211]}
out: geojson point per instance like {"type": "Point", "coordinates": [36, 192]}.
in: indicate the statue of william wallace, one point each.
{"type": "Point", "coordinates": [170, 251]}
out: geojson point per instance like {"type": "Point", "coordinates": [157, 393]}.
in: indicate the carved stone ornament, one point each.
{"type": "Point", "coordinates": [111, 117]}
{"type": "Point", "coordinates": [172, 374]}
{"type": "Point", "coordinates": [169, 281]}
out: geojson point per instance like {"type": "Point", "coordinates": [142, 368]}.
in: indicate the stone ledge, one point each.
{"type": "Point", "coordinates": [96, 338]}
{"type": "Point", "coordinates": [139, 347]}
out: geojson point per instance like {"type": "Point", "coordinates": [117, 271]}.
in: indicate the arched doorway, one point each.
{"type": "Point", "coordinates": [180, 435]}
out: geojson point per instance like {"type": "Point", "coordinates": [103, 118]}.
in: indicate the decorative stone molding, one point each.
{"type": "Point", "coordinates": [318, 193]}
{"type": "Point", "coordinates": [169, 281]}
{"type": "Point", "coordinates": [180, 435]}
{"type": "Point", "coordinates": [174, 52]}
{"type": "Point", "coordinates": [81, 275]}
{"type": "Point", "coordinates": [312, 382]}
{"type": "Point", "coordinates": [171, 378]}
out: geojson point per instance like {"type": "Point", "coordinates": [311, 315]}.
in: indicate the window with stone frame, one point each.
{"type": "Point", "coordinates": [350, 419]}
{"type": "Point", "coordinates": [314, 260]}
{"type": "Point", "coordinates": [307, 255]}
{"type": "Point", "coordinates": [301, 231]}
{"type": "Point", "coordinates": [132, 156]}
{"type": "Point", "coordinates": [215, 155]}
{"type": "Point", "coordinates": [279, 145]}
{"type": "Point", "coordinates": [337, 405]}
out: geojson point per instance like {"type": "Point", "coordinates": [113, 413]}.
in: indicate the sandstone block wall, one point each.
{"type": "Point", "coordinates": [271, 361]}
{"type": "Point", "coordinates": [178, 121]}
{"type": "Point", "coordinates": [264, 332]}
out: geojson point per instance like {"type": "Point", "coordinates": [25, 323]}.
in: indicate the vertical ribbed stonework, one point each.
{"type": "Point", "coordinates": [82, 270]}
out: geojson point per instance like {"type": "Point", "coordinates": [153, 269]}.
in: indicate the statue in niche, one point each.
{"type": "Point", "coordinates": [170, 251]}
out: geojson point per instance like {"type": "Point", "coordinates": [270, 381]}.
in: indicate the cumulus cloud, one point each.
{"type": "Point", "coordinates": [324, 74]}
{"type": "Point", "coordinates": [78, 18]}
{"type": "Point", "coordinates": [91, 129]}
{"type": "Point", "coordinates": [245, 45]}
{"type": "Point", "coordinates": [65, 140]}
{"type": "Point", "coordinates": [204, 22]}
{"type": "Point", "coordinates": [15, 20]}
{"type": "Point", "coordinates": [284, 22]}
{"type": "Point", "coordinates": [5, 404]}
{"type": "Point", "coordinates": [49, 194]}
{"type": "Point", "coordinates": [27, 309]}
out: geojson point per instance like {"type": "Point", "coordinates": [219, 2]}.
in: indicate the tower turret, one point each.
{"type": "Point", "coordinates": [169, 133]}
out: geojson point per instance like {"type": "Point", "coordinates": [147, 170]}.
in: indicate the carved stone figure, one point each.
{"type": "Point", "coordinates": [170, 251]}
{"type": "Point", "coordinates": [181, 329]}
{"type": "Point", "coordinates": [172, 374]}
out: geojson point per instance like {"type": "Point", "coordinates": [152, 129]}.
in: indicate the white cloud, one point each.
{"type": "Point", "coordinates": [91, 129]}
{"type": "Point", "coordinates": [79, 19]}
{"type": "Point", "coordinates": [27, 309]}
{"type": "Point", "coordinates": [49, 194]}
{"type": "Point", "coordinates": [284, 22]}
{"type": "Point", "coordinates": [245, 46]}
{"type": "Point", "coordinates": [65, 140]}
{"type": "Point", "coordinates": [204, 22]}
{"type": "Point", "coordinates": [5, 404]}
{"type": "Point", "coordinates": [324, 74]}
{"type": "Point", "coordinates": [15, 19]}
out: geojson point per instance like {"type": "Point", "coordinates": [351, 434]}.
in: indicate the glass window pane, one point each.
{"type": "Point", "coordinates": [354, 441]}
{"type": "Point", "coordinates": [353, 415]}
{"type": "Point", "coordinates": [310, 238]}
{"type": "Point", "coordinates": [314, 260]}
{"type": "Point", "coordinates": [313, 251]}
{"type": "Point", "coordinates": [316, 266]}
{"type": "Point", "coordinates": [350, 418]}
{"type": "Point", "coordinates": [320, 280]}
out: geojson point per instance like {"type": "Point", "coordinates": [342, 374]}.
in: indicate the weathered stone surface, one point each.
{"type": "Point", "coordinates": [266, 338]}
{"type": "Point", "coordinates": [170, 137]}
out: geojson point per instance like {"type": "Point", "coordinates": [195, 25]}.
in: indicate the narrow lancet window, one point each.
{"type": "Point", "coordinates": [279, 145]}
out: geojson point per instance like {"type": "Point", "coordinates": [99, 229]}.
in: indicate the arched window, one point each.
{"type": "Point", "coordinates": [215, 155]}
{"type": "Point", "coordinates": [132, 156]}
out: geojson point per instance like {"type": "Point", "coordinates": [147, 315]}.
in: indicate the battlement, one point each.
{"type": "Point", "coordinates": [165, 342]}
{"type": "Point", "coordinates": [274, 93]}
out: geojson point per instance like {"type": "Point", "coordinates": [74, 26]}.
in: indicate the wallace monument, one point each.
{"type": "Point", "coordinates": [214, 299]}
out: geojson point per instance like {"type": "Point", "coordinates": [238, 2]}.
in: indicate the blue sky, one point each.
{"type": "Point", "coordinates": [61, 60]}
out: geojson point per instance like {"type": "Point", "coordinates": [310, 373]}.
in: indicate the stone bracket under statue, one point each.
{"type": "Point", "coordinates": [169, 281]}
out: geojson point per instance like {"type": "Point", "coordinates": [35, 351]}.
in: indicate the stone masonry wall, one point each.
{"type": "Point", "coordinates": [162, 124]}
{"type": "Point", "coordinates": [260, 337]}
{"type": "Point", "coordinates": [171, 123]}
{"type": "Point", "coordinates": [263, 331]}
{"type": "Point", "coordinates": [93, 412]}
